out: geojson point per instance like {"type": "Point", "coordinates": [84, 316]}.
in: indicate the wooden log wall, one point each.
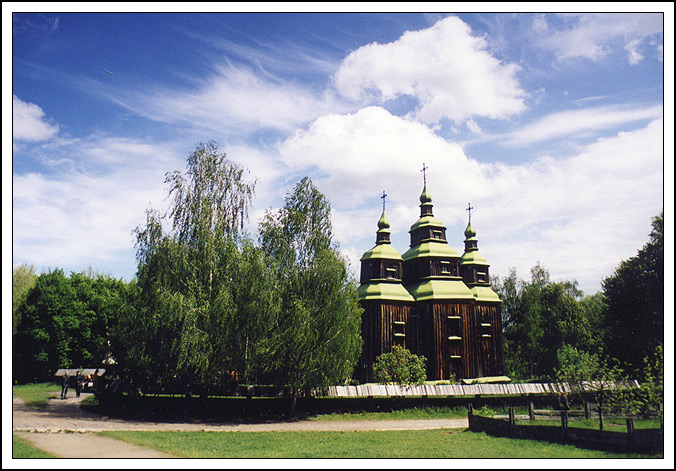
{"type": "Point", "coordinates": [434, 233]}
{"type": "Point", "coordinates": [449, 327]}
{"type": "Point", "coordinates": [384, 324]}
{"type": "Point", "coordinates": [489, 338]}
{"type": "Point", "coordinates": [460, 339]}
{"type": "Point", "coordinates": [426, 267]}
{"type": "Point", "coordinates": [381, 269]}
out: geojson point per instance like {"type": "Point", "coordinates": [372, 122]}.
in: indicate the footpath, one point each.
{"type": "Point", "coordinates": [66, 430]}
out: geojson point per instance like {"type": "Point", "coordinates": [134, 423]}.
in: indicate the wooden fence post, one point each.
{"type": "Point", "coordinates": [531, 410]}
{"type": "Point", "coordinates": [511, 415]}
{"type": "Point", "coordinates": [587, 410]}
{"type": "Point", "coordinates": [600, 417]}
{"type": "Point", "coordinates": [564, 423]}
{"type": "Point", "coordinates": [631, 436]}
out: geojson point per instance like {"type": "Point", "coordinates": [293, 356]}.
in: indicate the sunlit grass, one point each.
{"type": "Point", "coordinates": [22, 449]}
{"type": "Point", "coordinates": [36, 395]}
{"type": "Point", "coordinates": [413, 413]}
{"type": "Point", "coordinates": [441, 443]}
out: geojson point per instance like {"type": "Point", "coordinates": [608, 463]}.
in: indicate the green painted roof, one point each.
{"type": "Point", "coordinates": [484, 293]}
{"type": "Point", "coordinates": [430, 249]}
{"type": "Point", "coordinates": [382, 251]}
{"type": "Point", "coordinates": [427, 221]}
{"type": "Point", "coordinates": [383, 291]}
{"type": "Point", "coordinates": [433, 289]}
{"type": "Point", "coordinates": [473, 258]}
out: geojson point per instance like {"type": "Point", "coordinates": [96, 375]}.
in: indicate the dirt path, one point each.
{"type": "Point", "coordinates": [66, 430]}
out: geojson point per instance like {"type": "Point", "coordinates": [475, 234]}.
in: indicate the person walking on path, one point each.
{"type": "Point", "coordinates": [78, 383]}
{"type": "Point", "coordinates": [64, 385]}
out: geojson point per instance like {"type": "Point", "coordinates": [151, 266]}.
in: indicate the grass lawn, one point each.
{"type": "Point", "coordinates": [36, 395]}
{"type": "Point", "coordinates": [441, 443]}
{"type": "Point", "coordinates": [22, 449]}
{"type": "Point", "coordinates": [459, 412]}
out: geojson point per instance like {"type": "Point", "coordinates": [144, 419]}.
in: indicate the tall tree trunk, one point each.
{"type": "Point", "coordinates": [294, 398]}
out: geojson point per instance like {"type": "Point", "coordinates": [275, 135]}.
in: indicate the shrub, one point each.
{"type": "Point", "coordinates": [399, 366]}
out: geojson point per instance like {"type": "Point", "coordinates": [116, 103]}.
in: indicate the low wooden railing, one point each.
{"type": "Point", "coordinates": [649, 441]}
{"type": "Point", "coordinates": [373, 390]}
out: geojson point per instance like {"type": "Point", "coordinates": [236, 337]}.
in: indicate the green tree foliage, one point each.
{"type": "Point", "coordinates": [539, 317]}
{"type": "Point", "coordinates": [399, 366]}
{"type": "Point", "coordinates": [65, 323]}
{"type": "Point", "coordinates": [203, 295]}
{"type": "Point", "coordinates": [316, 338]}
{"type": "Point", "coordinates": [635, 296]}
{"type": "Point", "coordinates": [597, 375]}
{"type": "Point", "coordinates": [23, 279]}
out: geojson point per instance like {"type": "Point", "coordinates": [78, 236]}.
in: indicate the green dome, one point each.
{"type": "Point", "coordinates": [470, 232]}
{"type": "Point", "coordinates": [383, 223]}
{"type": "Point", "coordinates": [425, 197]}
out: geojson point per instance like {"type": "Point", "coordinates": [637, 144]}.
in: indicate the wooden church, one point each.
{"type": "Point", "coordinates": [431, 301]}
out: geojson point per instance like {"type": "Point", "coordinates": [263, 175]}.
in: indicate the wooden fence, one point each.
{"type": "Point", "coordinates": [650, 441]}
{"type": "Point", "coordinates": [391, 390]}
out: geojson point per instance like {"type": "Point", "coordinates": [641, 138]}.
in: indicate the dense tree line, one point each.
{"type": "Point", "coordinates": [211, 307]}
{"type": "Point", "coordinates": [65, 322]}
{"type": "Point", "coordinates": [551, 326]}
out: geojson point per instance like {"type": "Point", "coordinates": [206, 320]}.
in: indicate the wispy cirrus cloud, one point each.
{"type": "Point", "coordinates": [594, 36]}
{"type": "Point", "coordinates": [583, 122]}
{"type": "Point", "coordinates": [83, 211]}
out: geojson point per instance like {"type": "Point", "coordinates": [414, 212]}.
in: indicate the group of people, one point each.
{"type": "Point", "coordinates": [79, 382]}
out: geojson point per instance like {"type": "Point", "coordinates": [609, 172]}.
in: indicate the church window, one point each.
{"type": "Point", "coordinates": [445, 267]}
{"type": "Point", "coordinates": [485, 330]}
{"type": "Point", "coordinates": [454, 332]}
{"type": "Point", "coordinates": [399, 329]}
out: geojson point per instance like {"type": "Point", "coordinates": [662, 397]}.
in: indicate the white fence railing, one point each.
{"type": "Point", "coordinates": [366, 390]}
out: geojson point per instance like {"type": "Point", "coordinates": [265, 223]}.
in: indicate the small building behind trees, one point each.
{"type": "Point", "coordinates": [431, 301]}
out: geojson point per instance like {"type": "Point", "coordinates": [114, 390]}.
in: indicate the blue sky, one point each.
{"type": "Point", "coordinates": [551, 125]}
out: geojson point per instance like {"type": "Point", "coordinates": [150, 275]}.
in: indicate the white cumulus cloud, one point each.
{"type": "Point", "coordinates": [580, 215]}
{"type": "Point", "coordinates": [448, 70]}
{"type": "Point", "coordinates": [29, 122]}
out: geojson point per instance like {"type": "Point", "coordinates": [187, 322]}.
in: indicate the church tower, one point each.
{"type": "Point", "coordinates": [489, 359]}
{"type": "Point", "coordinates": [442, 317]}
{"type": "Point", "coordinates": [387, 305]}
{"type": "Point", "coordinates": [431, 301]}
